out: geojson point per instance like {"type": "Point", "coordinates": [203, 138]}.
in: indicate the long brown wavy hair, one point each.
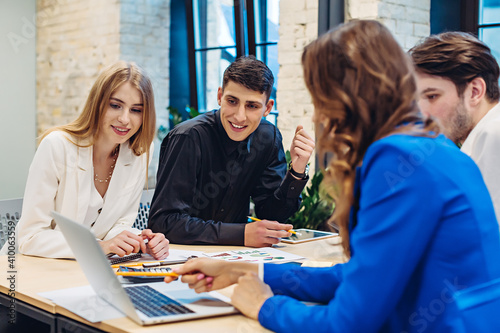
{"type": "Point", "coordinates": [86, 126]}
{"type": "Point", "coordinates": [363, 89]}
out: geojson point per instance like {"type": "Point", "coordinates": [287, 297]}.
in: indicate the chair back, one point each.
{"type": "Point", "coordinates": [10, 212]}
{"type": "Point", "coordinates": [141, 221]}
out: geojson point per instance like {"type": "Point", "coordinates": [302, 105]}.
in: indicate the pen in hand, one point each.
{"type": "Point", "coordinates": [256, 219]}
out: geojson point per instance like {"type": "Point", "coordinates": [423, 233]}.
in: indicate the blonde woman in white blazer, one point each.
{"type": "Point", "coordinates": [93, 170]}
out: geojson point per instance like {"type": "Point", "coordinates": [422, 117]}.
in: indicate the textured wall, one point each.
{"type": "Point", "coordinates": [298, 27]}
{"type": "Point", "coordinates": [75, 40]}
{"type": "Point", "coordinates": [408, 20]}
{"type": "Point", "coordinates": [145, 39]}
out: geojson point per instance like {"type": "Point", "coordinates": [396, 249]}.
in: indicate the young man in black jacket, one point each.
{"type": "Point", "coordinates": [211, 166]}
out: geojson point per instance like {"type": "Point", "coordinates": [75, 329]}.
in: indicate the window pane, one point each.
{"type": "Point", "coordinates": [210, 66]}
{"type": "Point", "coordinates": [269, 55]}
{"type": "Point", "coordinates": [266, 20]}
{"type": "Point", "coordinates": [213, 23]}
{"type": "Point", "coordinates": [272, 118]}
{"type": "Point", "coordinates": [489, 11]}
{"type": "Point", "coordinates": [490, 37]}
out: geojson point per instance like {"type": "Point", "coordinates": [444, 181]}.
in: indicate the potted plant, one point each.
{"type": "Point", "coordinates": [316, 207]}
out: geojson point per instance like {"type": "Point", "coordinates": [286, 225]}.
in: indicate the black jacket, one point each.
{"type": "Point", "coordinates": [205, 181]}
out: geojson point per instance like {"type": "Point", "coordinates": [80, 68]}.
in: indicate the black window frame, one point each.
{"type": "Point", "coordinates": [330, 14]}
{"type": "Point", "coordinates": [245, 38]}
{"type": "Point", "coordinates": [470, 17]}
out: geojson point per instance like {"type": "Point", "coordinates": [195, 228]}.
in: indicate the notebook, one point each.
{"type": "Point", "coordinates": [146, 304]}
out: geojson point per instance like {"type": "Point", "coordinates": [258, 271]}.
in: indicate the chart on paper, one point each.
{"type": "Point", "coordinates": [258, 255]}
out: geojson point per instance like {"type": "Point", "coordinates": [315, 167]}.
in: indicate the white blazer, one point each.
{"type": "Point", "coordinates": [60, 179]}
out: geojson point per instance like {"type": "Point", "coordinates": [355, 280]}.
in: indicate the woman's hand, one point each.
{"type": "Point", "coordinates": [123, 244]}
{"type": "Point", "coordinates": [157, 246]}
{"type": "Point", "coordinates": [250, 294]}
{"type": "Point", "coordinates": [205, 274]}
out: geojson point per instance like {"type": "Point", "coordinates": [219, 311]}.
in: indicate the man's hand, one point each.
{"type": "Point", "coordinates": [301, 149]}
{"type": "Point", "coordinates": [157, 245]}
{"type": "Point", "coordinates": [265, 233]}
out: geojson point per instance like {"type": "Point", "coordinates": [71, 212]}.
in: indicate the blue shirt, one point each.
{"type": "Point", "coordinates": [423, 227]}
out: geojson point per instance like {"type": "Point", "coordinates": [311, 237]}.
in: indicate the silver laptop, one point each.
{"type": "Point", "coordinates": [146, 304]}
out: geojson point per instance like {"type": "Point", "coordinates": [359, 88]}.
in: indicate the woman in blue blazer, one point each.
{"type": "Point", "coordinates": [94, 169]}
{"type": "Point", "coordinates": [414, 213]}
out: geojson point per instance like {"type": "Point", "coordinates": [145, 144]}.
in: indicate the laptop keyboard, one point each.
{"type": "Point", "coordinates": [153, 303]}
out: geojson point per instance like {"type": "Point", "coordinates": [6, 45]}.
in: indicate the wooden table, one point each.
{"type": "Point", "coordinates": [34, 275]}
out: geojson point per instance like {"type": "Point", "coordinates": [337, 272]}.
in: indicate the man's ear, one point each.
{"type": "Point", "coordinates": [269, 107]}
{"type": "Point", "coordinates": [477, 90]}
{"type": "Point", "coordinates": [219, 96]}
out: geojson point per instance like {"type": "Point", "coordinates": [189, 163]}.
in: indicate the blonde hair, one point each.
{"type": "Point", "coordinates": [86, 126]}
{"type": "Point", "coordinates": [363, 89]}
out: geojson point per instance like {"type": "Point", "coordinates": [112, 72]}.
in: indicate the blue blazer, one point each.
{"type": "Point", "coordinates": [424, 228]}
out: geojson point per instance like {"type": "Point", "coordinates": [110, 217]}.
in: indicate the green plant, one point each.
{"type": "Point", "coordinates": [175, 117]}
{"type": "Point", "coordinates": [316, 206]}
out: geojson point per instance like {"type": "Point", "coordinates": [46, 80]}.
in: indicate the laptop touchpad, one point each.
{"type": "Point", "coordinates": [189, 296]}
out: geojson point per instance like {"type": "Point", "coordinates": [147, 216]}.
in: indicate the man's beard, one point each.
{"type": "Point", "coordinates": [461, 124]}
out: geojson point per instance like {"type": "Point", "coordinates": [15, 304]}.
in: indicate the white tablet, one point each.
{"type": "Point", "coordinates": [306, 235]}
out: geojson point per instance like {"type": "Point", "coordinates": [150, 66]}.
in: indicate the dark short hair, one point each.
{"type": "Point", "coordinates": [251, 73]}
{"type": "Point", "coordinates": [459, 57]}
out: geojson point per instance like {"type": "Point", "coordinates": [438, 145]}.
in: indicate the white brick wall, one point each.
{"type": "Point", "coordinates": [76, 40]}
{"type": "Point", "coordinates": [298, 27]}
{"type": "Point", "coordinates": [145, 40]}
{"type": "Point", "coordinates": [408, 20]}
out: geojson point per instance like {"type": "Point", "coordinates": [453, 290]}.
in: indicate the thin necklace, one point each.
{"type": "Point", "coordinates": [96, 177]}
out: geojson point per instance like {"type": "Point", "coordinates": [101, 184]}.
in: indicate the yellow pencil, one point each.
{"type": "Point", "coordinates": [134, 264]}
{"type": "Point", "coordinates": [256, 219]}
{"type": "Point", "coordinates": [147, 274]}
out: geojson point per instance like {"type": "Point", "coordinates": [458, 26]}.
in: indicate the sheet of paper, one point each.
{"type": "Point", "coordinates": [83, 302]}
{"type": "Point", "coordinates": [264, 255]}
{"type": "Point", "coordinates": [174, 254]}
